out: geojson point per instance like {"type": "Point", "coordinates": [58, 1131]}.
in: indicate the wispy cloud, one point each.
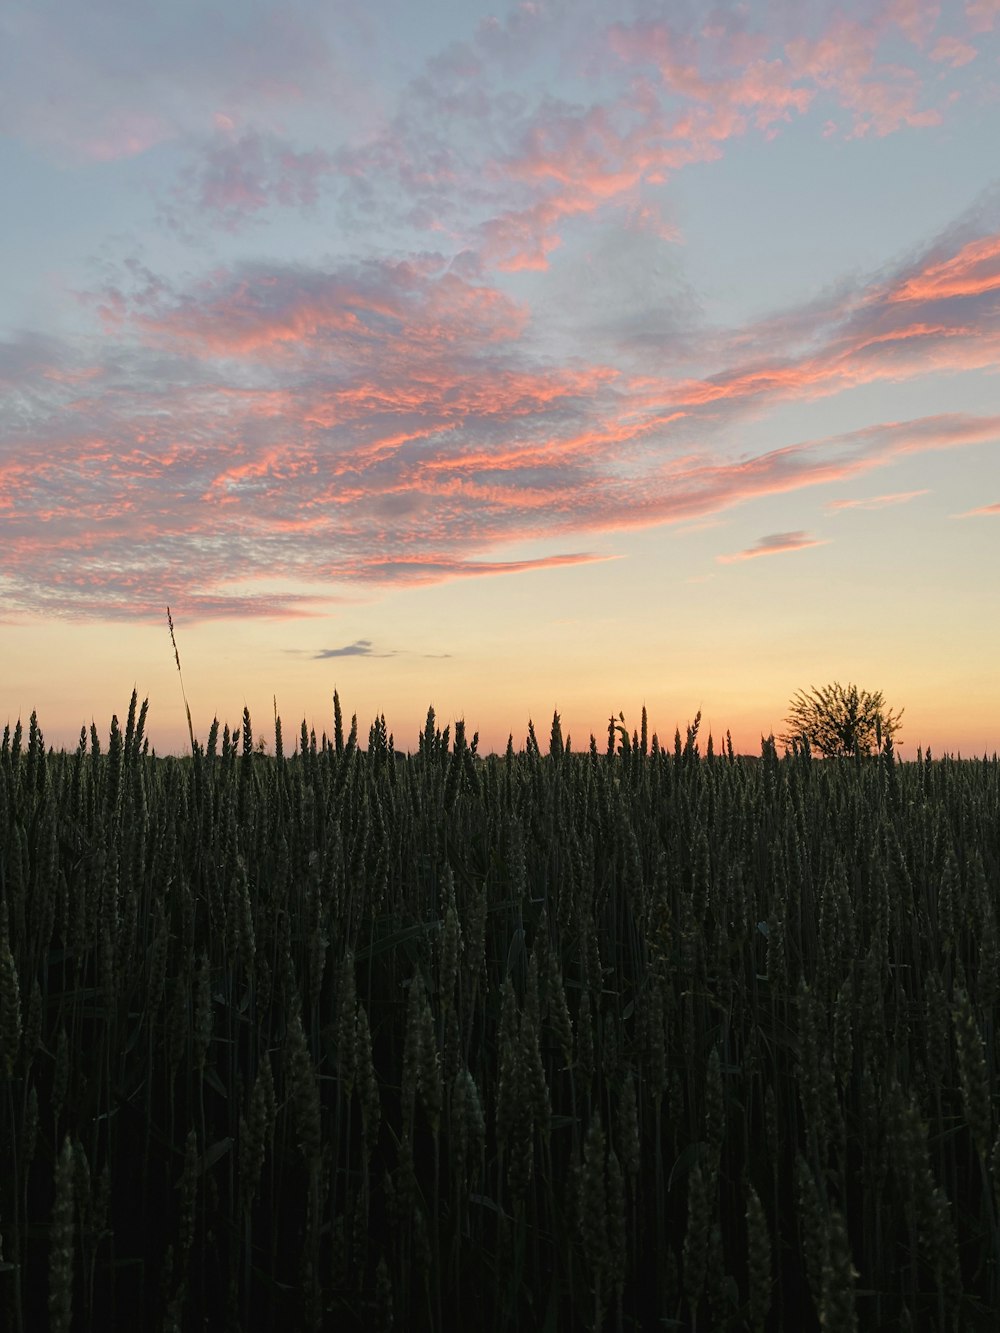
{"type": "Point", "coordinates": [879, 96]}
{"type": "Point", "coordinates": [359, 648]}
{"type": "Point", "coordinates": [982, 15]}
{"type": "Point", "coordinates": [981, 510]}
{"type": "Point", "coordinates": [527, 165]}
{"type": "Point", "coordinates": [365, 648]}
{"type": "Point", "coordinates": [973, 271]}
{"type": "Point", "coordinates": [417, 570]}
{"type": "Point", "coordinates": [406, 411]}
{"type": "Point", "coordinates": [775, 543]}
{"type": "Point", "coordinates": [877, 501]}
{"type": "Point", "coordinates": [389, 422]}
{"type": "Point", "coordinates": [953, 51]}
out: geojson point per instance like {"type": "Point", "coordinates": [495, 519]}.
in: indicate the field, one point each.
{"type": "Point", "coordinates": [630, 1038]}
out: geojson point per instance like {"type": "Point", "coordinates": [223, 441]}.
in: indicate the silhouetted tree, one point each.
{"type": "Point", "coordinates": [840, 720]}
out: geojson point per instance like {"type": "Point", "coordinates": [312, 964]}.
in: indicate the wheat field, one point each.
{"type": "Point", "coordinates": [628, 1038]}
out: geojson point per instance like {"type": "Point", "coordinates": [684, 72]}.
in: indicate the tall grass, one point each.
{"type": "Point", "coordinates": [628, 1039]}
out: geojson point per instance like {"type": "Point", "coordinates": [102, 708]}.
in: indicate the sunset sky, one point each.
{"type": "Point", "coordinates": [565, 355]}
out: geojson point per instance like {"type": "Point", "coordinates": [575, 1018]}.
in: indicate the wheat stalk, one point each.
{"type": "Point", "coordinates": [177, 659]}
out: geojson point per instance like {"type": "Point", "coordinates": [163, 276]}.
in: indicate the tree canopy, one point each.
{"type": "Point", "coordinates": [840, 720]}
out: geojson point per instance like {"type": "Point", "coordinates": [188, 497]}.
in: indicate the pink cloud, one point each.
{"type": "Point", "coordinates": [916, 18]}
{"type": "Point", "coordinates": [939, 313]}
{"type": "Point", "coordinates": [238, 176]}
{"type": "Point", "coordinates": [953, 51]}
{"type": "Point", "coordinates": [424, 570]}
{"type": "Point", "coordinates": [881, 97]}
{"type": "Point", "coordinates": [385, 420]}
{"type": "Point", "coordinates": [689, 94]}
{"type": "Point", "coordinates": [983, 509]}
{"type": "Point", "coordinates": [574, 162]}
{"type": "Point", "coordinates": [973, 271]}
{"type": "Point", "coordinates": [508, 186]}
{"type": "Point", "coordinates": [100, 530]}
{"type": "Point", "coordinates": [269, 314]}
{"type": "Point", "coordinates": [982, 14]}
{"type": "Point", "coordinates": [776, 543]}
{"type": "Point", "coordinates": [877, 501]}
{"type": "Point", "coordinates": [765, 88]}
{"type": "Point", "coordinates": [364, 423]}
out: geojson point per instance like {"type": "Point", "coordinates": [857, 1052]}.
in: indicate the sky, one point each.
{"type": "Point", "coordinates": [567, 356]}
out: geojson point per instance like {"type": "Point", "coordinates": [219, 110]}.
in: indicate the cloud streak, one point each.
{"type": "Point", "coordinates": [877, 501]}
{"type": "Point", "coordinates": [359, 648]}
{"type": "Point", "coordinates": [776, 543]}
{"type": "Point", "coordinates": [981, 510]}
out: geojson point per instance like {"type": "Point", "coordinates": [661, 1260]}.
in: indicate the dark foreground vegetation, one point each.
{"type": "Point", "coordinates": [628, 1039]}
